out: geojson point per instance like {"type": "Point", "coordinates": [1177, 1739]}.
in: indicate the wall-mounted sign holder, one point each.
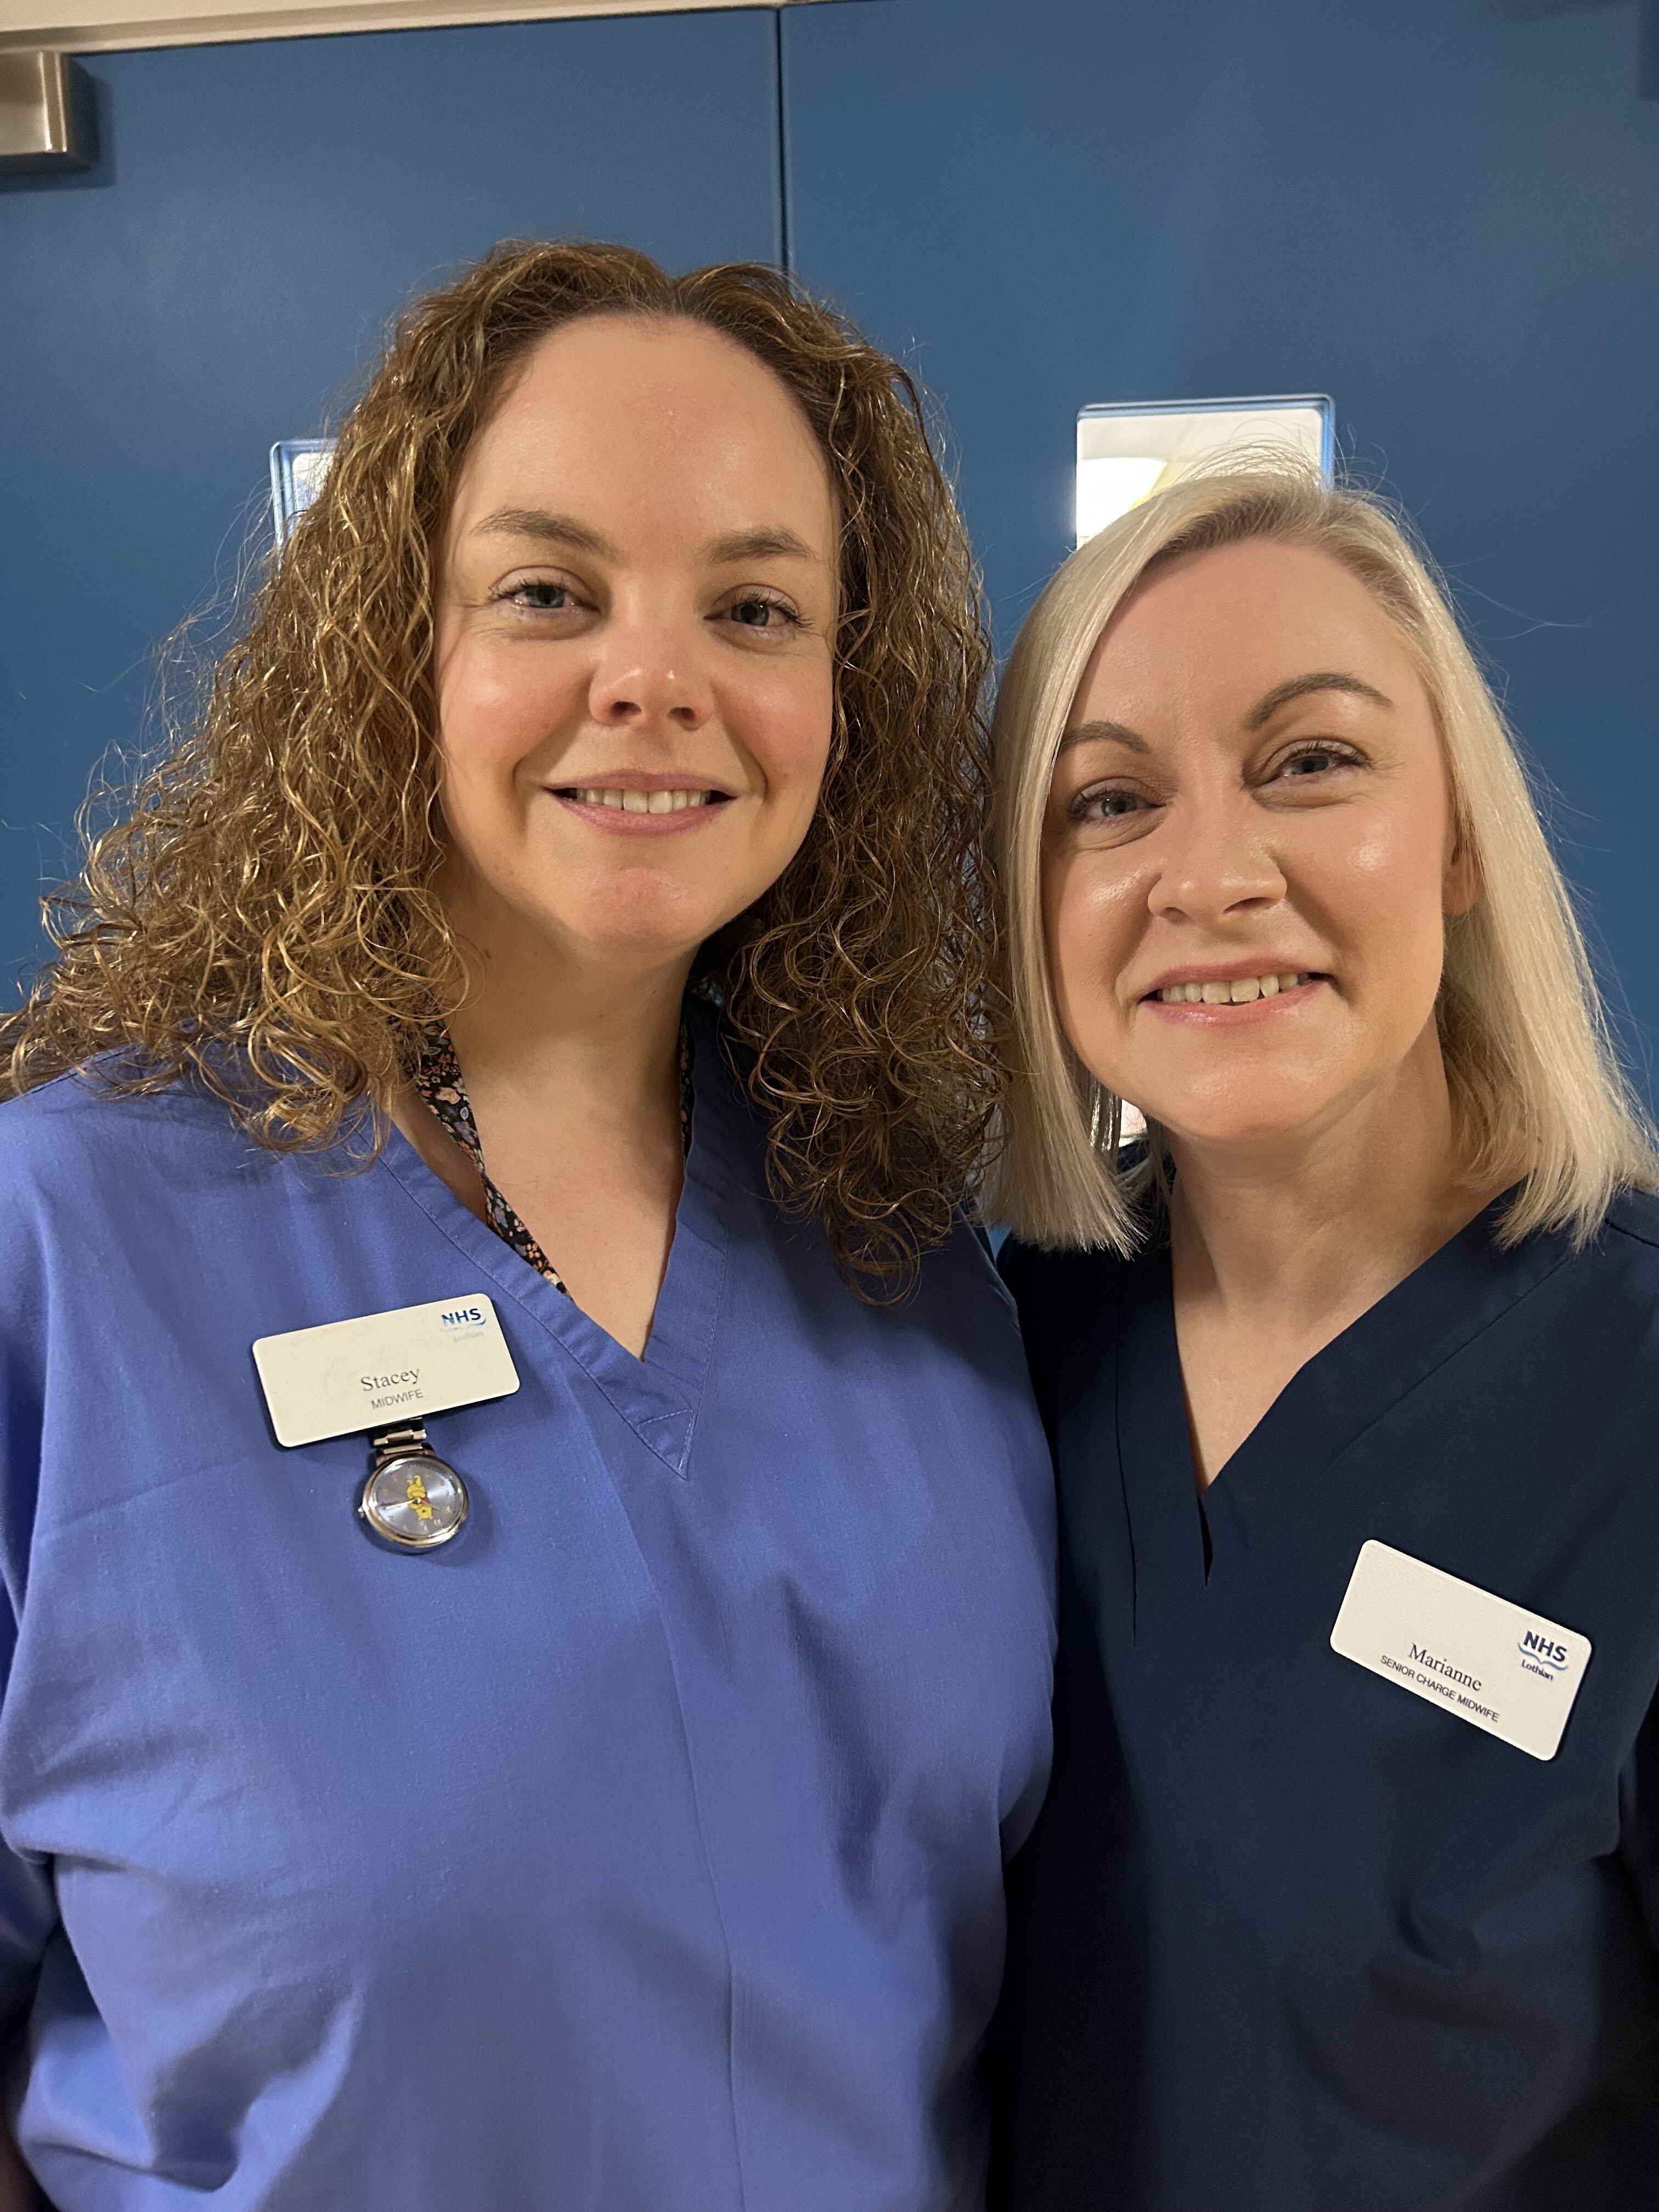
{"type": "Point", "coordinates": [1125, 452]}
{"type": "Point", "coordinates": [47, 120]}
{"type": "Point", "coordinates": [298, 466]}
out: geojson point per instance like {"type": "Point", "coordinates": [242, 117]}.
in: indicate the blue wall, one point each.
{"type": "Point", "coordinates": [1444, 212]}
{"type": "Point", "coordinates": [259, 212]}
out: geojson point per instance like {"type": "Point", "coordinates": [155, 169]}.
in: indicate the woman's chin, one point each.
{"type": "Point", "coordinates": [632, 936]}
{"type": "Point", "coordinates": [1263, 1125]}
{"type": "Point", "coordinates": [637, 952]}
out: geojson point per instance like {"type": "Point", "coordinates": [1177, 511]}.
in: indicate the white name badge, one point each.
{"type": "Point", "coordinates": [345, 1376]}
{"type": "Point", "coordinates": [1489, 1662]}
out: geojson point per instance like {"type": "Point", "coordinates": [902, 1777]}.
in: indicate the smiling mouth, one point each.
{"type": "Point", "coordinates": [621, 800]}
{"type": "Point", "coordinates": [1234, 991]}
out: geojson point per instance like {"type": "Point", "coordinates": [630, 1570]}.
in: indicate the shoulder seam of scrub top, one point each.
{"type": "Point", "coordinates": [1650, 1238]}
{"type": "Point", "coordinates": [1252, 1542]}
{"type": "Point", "coordinates": [675, 1459]}
{"type": "Point", "coordinates": [1155, 1611]}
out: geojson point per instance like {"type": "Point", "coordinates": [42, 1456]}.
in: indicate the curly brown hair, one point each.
{"type": "Point", "coordinates": [260, 915]}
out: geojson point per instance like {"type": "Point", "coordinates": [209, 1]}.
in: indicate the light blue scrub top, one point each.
{"type": "Point", "coordinates": [640, 1851]}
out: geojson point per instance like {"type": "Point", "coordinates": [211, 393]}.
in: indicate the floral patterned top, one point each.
{"type": "Point", "coordinates": [438, 1080]}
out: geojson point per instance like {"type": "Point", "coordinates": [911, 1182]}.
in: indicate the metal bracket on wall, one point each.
{"type": "Point", "coordinates": [106, 26]}
{"type": "Point", "coordinates": [47, 120]}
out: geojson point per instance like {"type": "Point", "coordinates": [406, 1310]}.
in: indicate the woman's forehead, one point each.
{"type": "Point", "coordinates": [1238, 621]}
{"type": "Point", "coordinates": [665, 381]}
{"type": "Point", "coordinates": [613, 418]}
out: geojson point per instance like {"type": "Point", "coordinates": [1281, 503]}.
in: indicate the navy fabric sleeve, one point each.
{"type": "Point", "coordinates": [1638, 1782]}
{"type": "Point", "coordinates": [1639, 1840]}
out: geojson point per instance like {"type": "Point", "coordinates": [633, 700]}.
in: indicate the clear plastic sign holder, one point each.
{"type": "Point", "coordinates": [298, 466]}
{"type": "Point", "coordinates": [1125, 452]}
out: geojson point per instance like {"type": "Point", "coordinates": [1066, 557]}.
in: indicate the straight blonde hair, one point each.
{"type": "Point", "coordinates": [1538, 1095]}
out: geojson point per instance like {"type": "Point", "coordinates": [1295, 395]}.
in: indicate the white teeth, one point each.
{"type": "Point", "coordinates": [1239, 991]}
{"type": "Point", "coordinates": [639, 802]}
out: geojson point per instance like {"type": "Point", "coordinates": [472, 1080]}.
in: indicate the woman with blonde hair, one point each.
{"type": "Point", "coordinates": [1345, 1895]}
{"type": "Point", "coordinates": [526, 1545]}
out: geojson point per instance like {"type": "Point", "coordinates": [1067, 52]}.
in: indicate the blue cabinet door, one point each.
{"type": "Point", "coordinates": [1443, 215]}
{"type": "Point", "coordinates": [222, 278]}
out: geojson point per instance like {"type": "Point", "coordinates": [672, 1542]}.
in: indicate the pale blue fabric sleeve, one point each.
{"type": "Point", "coordinates": [28, 1905]}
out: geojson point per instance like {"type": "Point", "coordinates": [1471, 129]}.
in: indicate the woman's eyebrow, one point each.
{"type": "Point", "coordinates": [1322, 679]}
{"type": "Point", "coordinates": [539, 522]}
{"type": "Point", "coordinates": [1117, 734]}
{"type": "Point", "coordinates": [763, 544]}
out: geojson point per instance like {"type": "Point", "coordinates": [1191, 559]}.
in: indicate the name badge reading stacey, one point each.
{"type": "Point", "coordinates": [379, 1369]}
{"type": "Point", "coordinates": [1489, 1662]}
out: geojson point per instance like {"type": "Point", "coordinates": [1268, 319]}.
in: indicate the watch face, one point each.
{"type": "Point", "coordinates": [415, 1502]}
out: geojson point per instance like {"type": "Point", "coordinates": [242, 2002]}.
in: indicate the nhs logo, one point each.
{"type": "Point", "coordinates": [1543, 1649]}
{"type": "Point", "coordinates": [462, 1321]}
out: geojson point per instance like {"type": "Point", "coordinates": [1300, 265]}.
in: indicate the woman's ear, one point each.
{"type": "Point", "coordinates": [1462, 885]}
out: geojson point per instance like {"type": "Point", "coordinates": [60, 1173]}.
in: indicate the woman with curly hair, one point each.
{"type": "Point", "coordinates": [525, 1547]}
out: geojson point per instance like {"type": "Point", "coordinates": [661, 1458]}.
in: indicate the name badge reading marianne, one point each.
{"type": "Point", "coordinates": [347, 1377]}
{"type": "Point", "coordinates": [1489, 1662]}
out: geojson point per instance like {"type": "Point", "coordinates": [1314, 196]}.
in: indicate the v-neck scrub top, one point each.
{"type": "Point", "coordinates": [1287, 1937]}
{"type": "Point", "coordinates": [639, 1852]}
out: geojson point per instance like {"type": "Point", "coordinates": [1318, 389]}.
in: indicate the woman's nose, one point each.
{"type": "Point", "coordinates": [1214, 861]}
{"type": "Point", "coordinates": [650, 669]}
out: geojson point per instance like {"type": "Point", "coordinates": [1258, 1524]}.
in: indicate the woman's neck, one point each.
{"type": "Point", "coordinates": [1277, 1248]}
{"type": "Point", "coordinates": [550, 1020]}
{"type": "Point", "coordinates": [572, 1074]}
{"type": "Point", "coordinates": [612, 1040]}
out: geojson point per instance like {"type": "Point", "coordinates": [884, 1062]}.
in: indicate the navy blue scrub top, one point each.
{"type": "Point", "coordinates": [641, 1849]}
{"type": "Point", "coordinates": [1286, 1937]}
